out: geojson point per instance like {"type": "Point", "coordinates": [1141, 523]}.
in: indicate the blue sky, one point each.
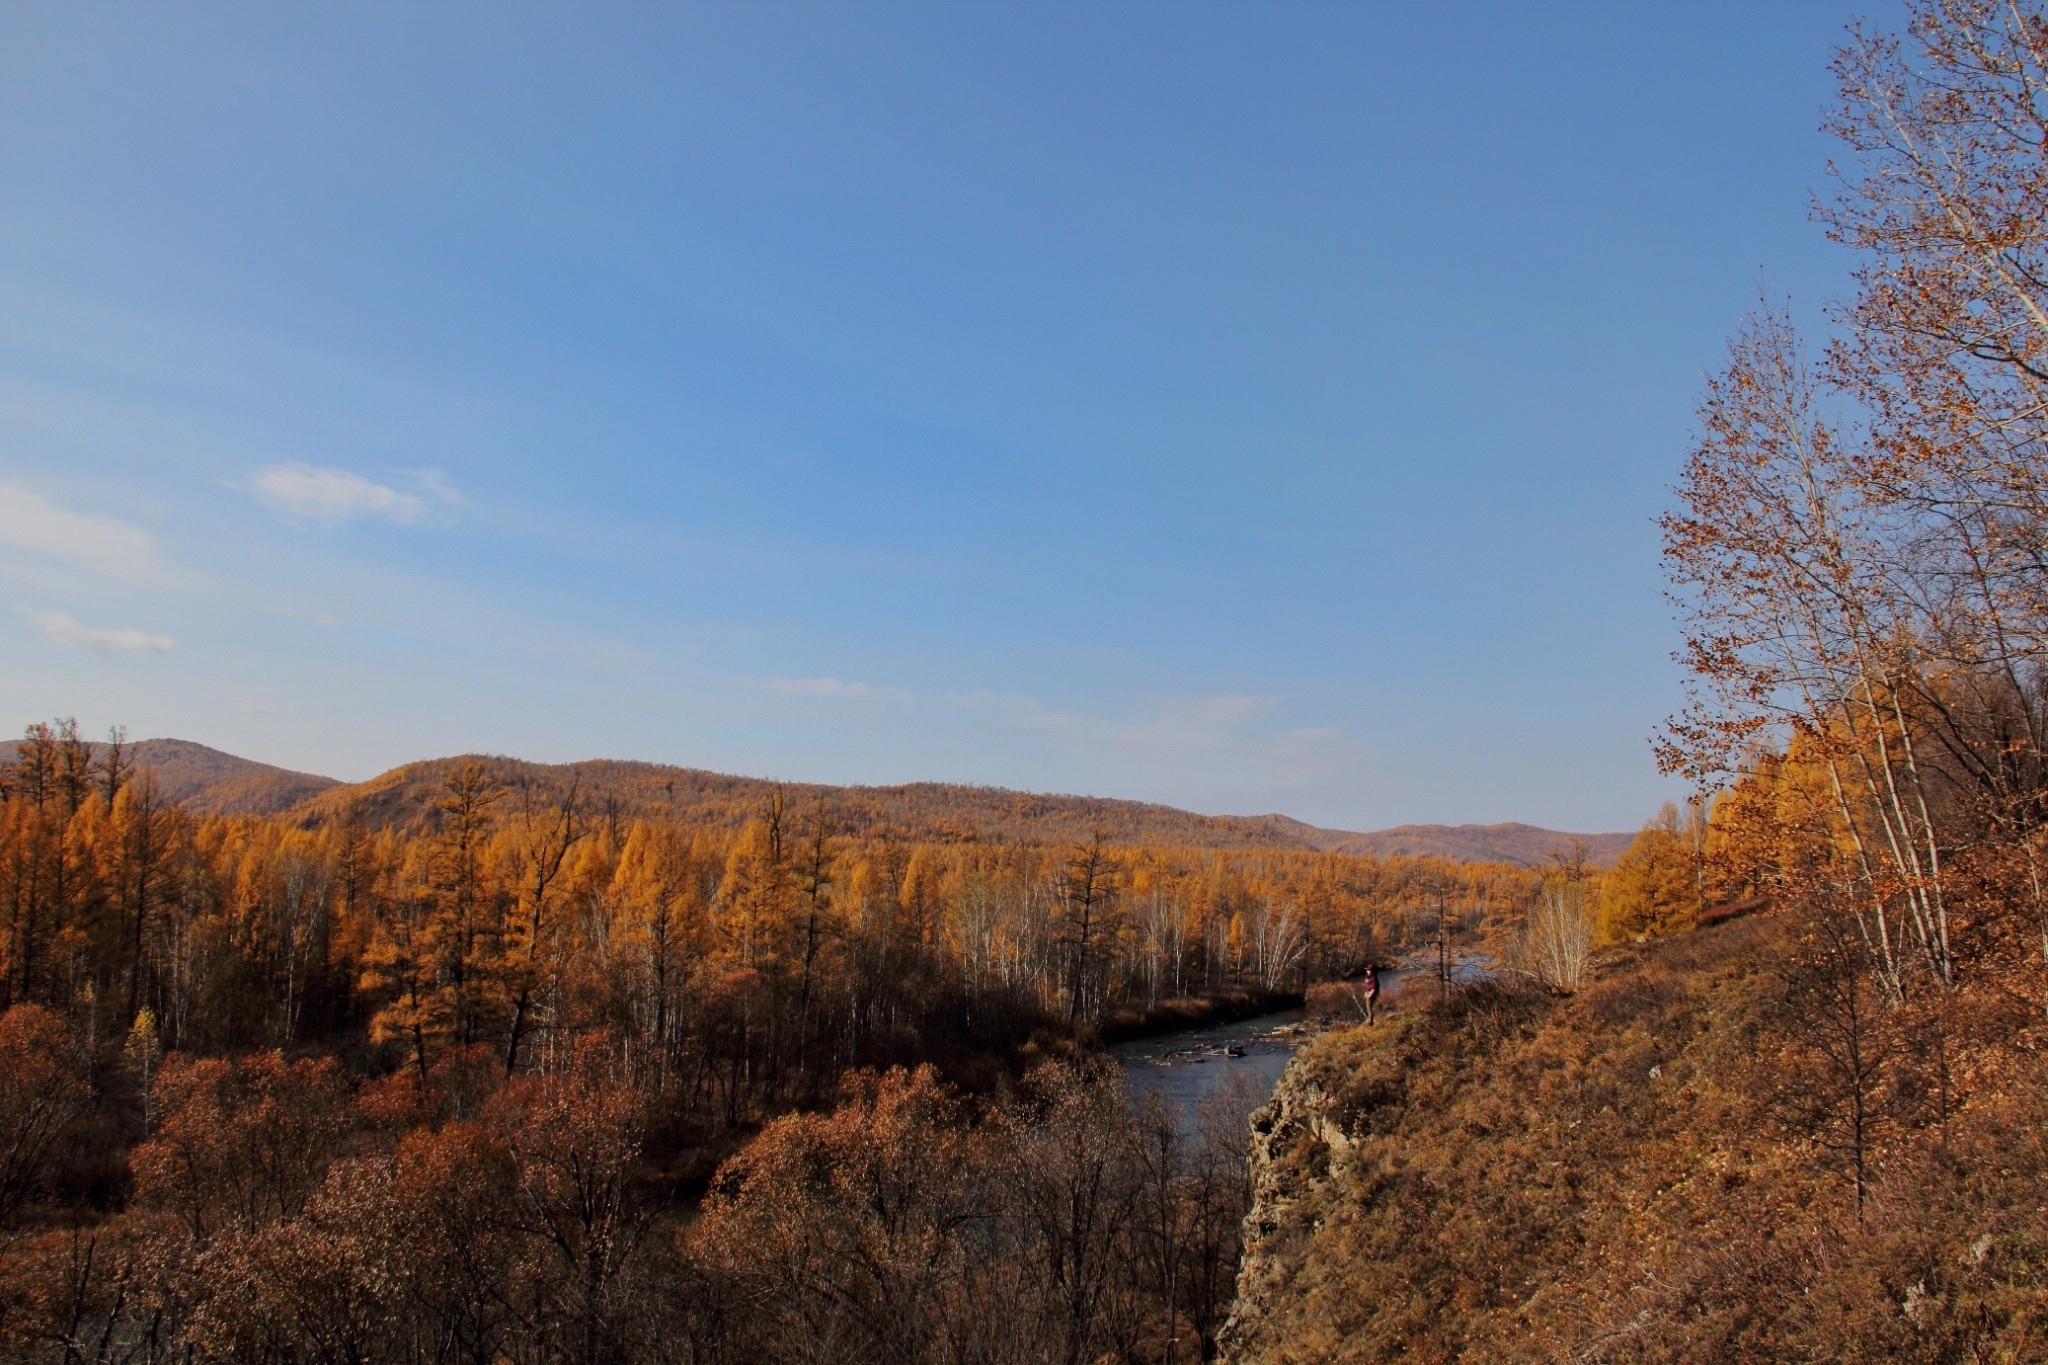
{"type": "Point", "coordinates": [1249, 407]}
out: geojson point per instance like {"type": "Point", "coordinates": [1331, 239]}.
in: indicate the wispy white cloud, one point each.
{"type": "Point", "coordinates": [435, 482]}
{"type": "Point", "coordinates": [318, 618]}
{"type": "Point", "coordinates": [832, 687]}
{"type": "Point", "coordinates": [60, 629]}
{"type": "Point", "coordinates": [105, 545]}
{"type": "Point", "coordinates": [335, 495]}
{"type": "Point", "coordinates": [1167, 728]}
{"type": "Point", "coordinates": [1216, 748]}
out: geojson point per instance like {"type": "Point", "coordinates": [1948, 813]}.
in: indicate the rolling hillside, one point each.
{"type": "Point", "coordinates": [209, 781]}
{"type": "Point", "coordinates": [1523, 845]}
{"type": "Point", "coordinates": [945, 812]}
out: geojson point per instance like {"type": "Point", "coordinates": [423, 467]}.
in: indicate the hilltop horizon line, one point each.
{"type": "Point", "coordinates": [209, 780]}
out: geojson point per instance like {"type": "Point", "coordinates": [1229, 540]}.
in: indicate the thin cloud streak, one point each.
{"type": "Point", "coordinates": [103, 545]}
{"type": "Point", "coordinates": [335, 495]}
{"type": "Point", "coordinates": [1211, 748]}
{"type": "Point", "coordinates": [436, 482]}
{"type": "Point", "coordinates": [60, 629]}
{"type": "Point", "coordinates": [319, 618]}
{"type": "Point", "coordinates": [832, 688]}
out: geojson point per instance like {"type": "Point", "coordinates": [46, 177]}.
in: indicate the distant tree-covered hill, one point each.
{"type": "Point", "coordinates": [942, 812]}
{"type": "Point", "coordinates": [1522, 845]}
{"type": "Point", "coordinates": [209, 781]}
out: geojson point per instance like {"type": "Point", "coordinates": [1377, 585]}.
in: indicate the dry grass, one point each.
{"type": "Point", "coordinates": [1603, 1178]}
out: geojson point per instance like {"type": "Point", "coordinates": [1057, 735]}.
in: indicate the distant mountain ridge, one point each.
{"type": "Point", "coordinates": [208, 781]}
{"type": "Point", "coordinates": [1511, 842]}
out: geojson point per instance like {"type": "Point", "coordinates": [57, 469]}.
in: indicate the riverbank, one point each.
{"type": "Point", "coordinates": [1226, 1006]}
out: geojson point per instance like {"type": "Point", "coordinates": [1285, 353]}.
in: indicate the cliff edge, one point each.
{"type": "Point", "coordinates": [1654, 1169]}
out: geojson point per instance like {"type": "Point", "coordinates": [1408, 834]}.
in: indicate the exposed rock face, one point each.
{"type": "Point", "coordinates": [1517, 1178]}
{"type": "Point", "coordinates": [1298, 1145]}
{"type": "Point", "coordinates": [1382, 1202]}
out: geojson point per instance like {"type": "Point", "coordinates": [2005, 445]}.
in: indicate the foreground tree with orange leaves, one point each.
{"type": "Point", "coordinates": [1860, 562]}
{"type": "Point", "coordinates": [1862, 549]}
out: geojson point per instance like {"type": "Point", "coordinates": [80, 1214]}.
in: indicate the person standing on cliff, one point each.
{"type": "Point", "coordinates": [1372, 993]}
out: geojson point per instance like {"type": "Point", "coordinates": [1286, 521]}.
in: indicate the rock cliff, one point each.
{"type": "Point", "coordinates": [1651, 1171]}
{"type": "Point", "coordinates": [1298, 1149]}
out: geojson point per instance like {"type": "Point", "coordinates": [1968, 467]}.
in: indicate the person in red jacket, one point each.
{"type": "Point", "coordinates": [1372, 992]}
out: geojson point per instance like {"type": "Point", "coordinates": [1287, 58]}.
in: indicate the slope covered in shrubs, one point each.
{"type": "Point", "coordinates": [1661, 1167]}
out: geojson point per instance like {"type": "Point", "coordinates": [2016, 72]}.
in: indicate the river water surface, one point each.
{"type": "Point", "coordinates": [1192, 1066]}
{"type": "Point", "coordinates": [1189, 1068]}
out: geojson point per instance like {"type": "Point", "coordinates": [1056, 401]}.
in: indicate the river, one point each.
{"type": "Point", "coordinates": [1235, 1066]}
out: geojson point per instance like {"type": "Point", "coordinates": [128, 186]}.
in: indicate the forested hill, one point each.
{"type": "Point", "coordinates": [1521, 845]}
{"type": "Point", "coordinates": [939, 812]}
{"type": "Point", "coordinates": [209, 781]}
{"type": "Point", "coordinates": [932, 812]}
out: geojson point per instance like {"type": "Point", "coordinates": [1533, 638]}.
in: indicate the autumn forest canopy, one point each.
{"type": "Point", "coordinates": [494, 1061]}
{"type": "Point", "coordinates": [219, 1022]}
